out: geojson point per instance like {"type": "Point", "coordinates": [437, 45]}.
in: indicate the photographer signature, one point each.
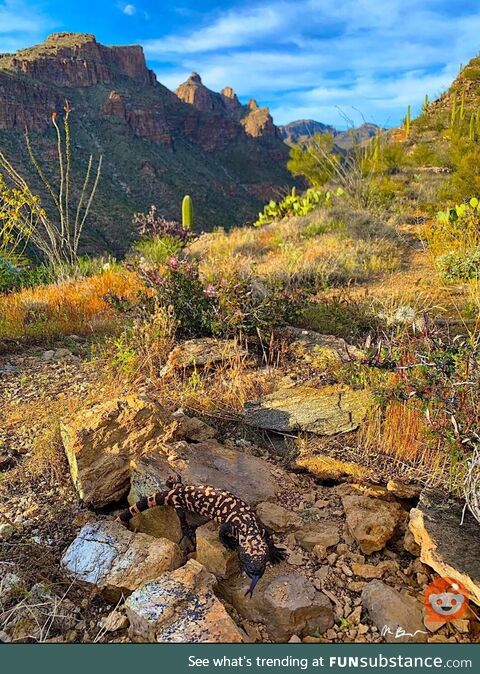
{"type": "Point", "coordinates": [399, 633]}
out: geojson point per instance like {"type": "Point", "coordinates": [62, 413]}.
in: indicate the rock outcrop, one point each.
{"type": "Point", "coordinates": [180, 607]}
{"type": "Point", "coordinates": [324, 411]}
{"type": "Point", "coordinates": [117, 561]}
{"type": "Point", "coordinates": [314, 347]}
{"type": "Point", "coordinates": [203, 352]}
{"type": "Point", "coordinates": [448, 539]}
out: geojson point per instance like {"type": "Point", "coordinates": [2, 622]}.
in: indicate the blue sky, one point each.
{"type": "Point", "coordinates": [319, 59]}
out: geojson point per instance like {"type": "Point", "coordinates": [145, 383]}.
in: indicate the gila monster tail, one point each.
{"type": "Point", "coordinates": [144, 503]}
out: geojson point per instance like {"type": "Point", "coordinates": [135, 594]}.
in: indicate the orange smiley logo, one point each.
{"type": "Point", "coordinates": [445, 599]}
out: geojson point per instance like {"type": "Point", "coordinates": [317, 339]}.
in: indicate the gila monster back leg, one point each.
{"type": "Point", "coordinates": [275, 554]}
{"type": "Point", "coordinates": [227, 536]}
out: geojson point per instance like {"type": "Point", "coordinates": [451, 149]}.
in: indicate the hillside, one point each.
{"type": "Point", "coordinates": [157, 145]}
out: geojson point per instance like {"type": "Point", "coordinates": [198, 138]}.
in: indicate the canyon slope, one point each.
{"type": "Point", "coordinates": [157, 145]}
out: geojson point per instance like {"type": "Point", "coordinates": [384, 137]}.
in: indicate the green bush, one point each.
{"type": "Point", "coordinates": [456, 266]}
{"type": "Point", "coordinates": [158, 249]}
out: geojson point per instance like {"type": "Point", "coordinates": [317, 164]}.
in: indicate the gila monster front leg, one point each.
{"type": "Point", "coordinates": [188, 531]}
{"type": "Point", "coordinates": [228, 537]}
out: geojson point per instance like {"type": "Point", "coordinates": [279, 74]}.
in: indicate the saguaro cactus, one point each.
{"type": "Point", "coordinates": [408, 119]}
{"type": "Point", "coordinates": [187, 212]}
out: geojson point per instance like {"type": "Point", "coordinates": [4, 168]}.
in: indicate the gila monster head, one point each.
{"type": "Point", "coordinates": [253, 555]}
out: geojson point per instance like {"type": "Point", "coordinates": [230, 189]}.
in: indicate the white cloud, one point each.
{"type": "Point", "coordinates": [306, 57]}
{"type": "Point", "coordinates": [129, 10]}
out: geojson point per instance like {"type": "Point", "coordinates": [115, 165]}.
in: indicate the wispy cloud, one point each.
{"type": "Point", "coordinates": [305, 57]}
{"type": "Point", "coordinates": [129, 10]}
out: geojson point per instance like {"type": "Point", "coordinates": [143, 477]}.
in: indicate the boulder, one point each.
{"type": "Point", "coordinates": [212, 554]}
{"type": "Point", "coordinates": [398, 617]}
{"type": "Point", "coordinates": [210, 463]}
{"type": "Point", "coordinates": [315, 347]}
{"type": "Point", "coordinates": [322, 534]}
{"type": "Point", "coordinates": [329, 468]}
{"type": "Point", "coordinates": [116, 560]}
{"type": "Point", "coordinates": [277, 517]}
{"type": "Point", "coordinates": [180, 607]}
{"type": "Point", "coordinates": [449, 547]}
{"type": "Point", "coordinates": [324, 411]}
{"type": "Point", "coordinates": [371, 521]}
{"type": "Point", "coordinates": [102, 439]}
{"type": "Point", "coordinates": [202, 352]}
{"type": "Point", "coordinates": [286, 603]}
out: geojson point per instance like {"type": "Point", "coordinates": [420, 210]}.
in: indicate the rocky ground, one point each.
{"type": "Point", "coordinates": [354, 543]}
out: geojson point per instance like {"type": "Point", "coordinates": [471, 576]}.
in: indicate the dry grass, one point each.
{"type": "Point", "coordinates": [322, 248]}
{"type": "Point", "coordinates": [73, 307]}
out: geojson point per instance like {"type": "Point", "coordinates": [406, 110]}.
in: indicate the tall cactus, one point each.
{"type": "Point", "coordinates": [425, 104]}
{"type": "Point", "coordinates": [453, 110]}
{"type": "Point", "coordinates": [187, 212]}
{"type": "Point", "coordinates": [462, 106]}
{"type": "Point", "coordinates": [471, 130]}
{"type": "Point", "coordinates": [408, 119]}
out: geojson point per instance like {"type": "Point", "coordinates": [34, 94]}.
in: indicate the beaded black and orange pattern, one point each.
{"type": "Point", "coordinates": [240, 528]}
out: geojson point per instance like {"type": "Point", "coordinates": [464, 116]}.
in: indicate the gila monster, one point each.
{"type": "Point", "coordinates": [240, 528]}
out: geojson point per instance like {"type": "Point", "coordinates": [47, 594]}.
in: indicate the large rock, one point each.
{"type": "Point", "coordinates": [447, 545]}
{"type": "Point", "coordinates": [116, 560]}
{"type": "Point", "coordinates": [278, 518]}
{"type": "Point", "coordinates": [102, 439]}
{"type": "Point", "coordinates": [371, 521]}
{"type": "Point", "coordinates": [212, 554]}
{"type": "Point", "coordinates": [209, 462]}
{"type": "Point", "coordinates": [321, 533]}
{"type": "Point", "coordinates": [315, 347]}
{"type": "Point", "coordinates": [323, 411]}
{"type": "Point", "coordinates": [398, 617]}
{"type": "Point", "coordinates": [180, 607]}
{"type": "Point", "coordinates": [202, 352]}
{"type": "Point", "coordinates": [286, 603]}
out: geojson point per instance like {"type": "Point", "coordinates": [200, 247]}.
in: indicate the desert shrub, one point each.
{"type": "Point", "coordinates": [158, 249]}
{"type": "Point", "coordinates": [426, 155]}
{"type": "Point", "coordinates": [150, 225]}
{"type": "Point", "coordinates": [10, 275]}
{"type": "Point", "coordinates": [316, 161]}
{"type": "Point", "coordinates": [232, 304]}
{"type": "Point", "coordinates": [459, 266]}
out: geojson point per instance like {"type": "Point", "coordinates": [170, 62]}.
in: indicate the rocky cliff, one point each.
{"type": "Point", "coordinates": [157, 144]}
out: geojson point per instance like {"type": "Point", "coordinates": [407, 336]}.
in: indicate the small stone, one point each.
{"type": "Point", "coordinates": [320, 552]}
{"type": "Point", "coordinates": [48, 355]}
{"type": "Point", "coordinates": [317, 534]}
{"type": "Point", "coordinates": [332, 558]}
{"type": "Point", "coordinates": [212, 554]}
{"type": "Point", "coordinates": [356, 585]}
{"type": "Point", "coordinates": [374, 570]}
{"type": "Point", "coordinates": [6, 531]}
{"type": "Point", "coordinates": [294, 639]}
{"type": "Point", "coordinates": [114, 622]}
{"type": "Point", "coordinates": [321, 503]}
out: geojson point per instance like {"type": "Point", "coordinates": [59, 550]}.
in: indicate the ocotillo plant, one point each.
{"type": "Point", "coordinates": [187, 212]}
{"type": "Point", "coordinates": [462, 106]}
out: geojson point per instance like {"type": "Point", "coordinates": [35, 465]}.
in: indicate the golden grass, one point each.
{"type": "Point", "coordinates": [73, 307]}
{"type": "Point", "coordinates": [313, 248]}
